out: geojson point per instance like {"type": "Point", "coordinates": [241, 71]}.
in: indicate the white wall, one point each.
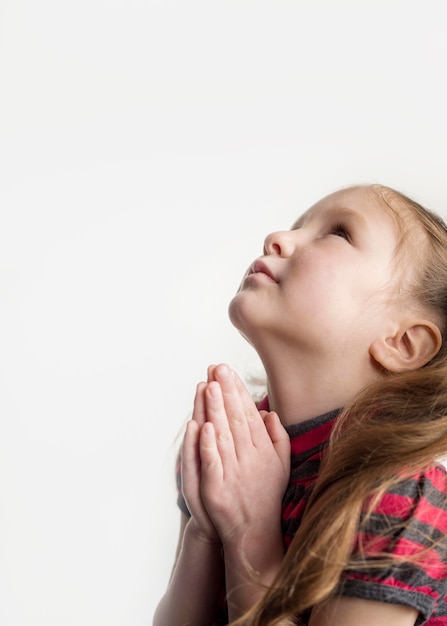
{"type": "Point", "coordinates": [146, 148]}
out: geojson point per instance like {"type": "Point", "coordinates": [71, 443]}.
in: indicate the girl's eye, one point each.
{"type": "Point", "coordinates": [340, 230]}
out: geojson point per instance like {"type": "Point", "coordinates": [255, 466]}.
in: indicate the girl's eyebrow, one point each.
{"type": "Point", "coordinates": [334, 213]}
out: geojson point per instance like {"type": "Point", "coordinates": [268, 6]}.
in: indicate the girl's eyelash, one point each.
{"type": "Point", "coordinates": [340, 229]}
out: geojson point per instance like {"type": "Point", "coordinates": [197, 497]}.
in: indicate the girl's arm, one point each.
{"type": "Point", "coordinates": [346, 611]}
{"type": "Point", "coordinates": [195, 583]}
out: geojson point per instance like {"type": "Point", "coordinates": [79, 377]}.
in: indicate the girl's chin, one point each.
{"type": "Point", "coordinates": [236, 311]}
{"type": "Point", "coordinates": [239, 320]}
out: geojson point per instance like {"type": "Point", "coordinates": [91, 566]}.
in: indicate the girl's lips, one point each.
{"type": "Point", "coordinates": [260, 267]}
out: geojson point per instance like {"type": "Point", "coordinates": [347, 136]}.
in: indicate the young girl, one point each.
{"type": "Point", "coordinates": [325, 505]}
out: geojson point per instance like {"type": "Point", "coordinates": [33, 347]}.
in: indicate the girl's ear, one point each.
{"type": "Point", "coordinates": [409, 349]}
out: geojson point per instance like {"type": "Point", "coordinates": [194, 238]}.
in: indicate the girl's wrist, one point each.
{"type": "Point", "coordinates": [206, 536]}
{"type": "Point", "coordinates": [259, 546]}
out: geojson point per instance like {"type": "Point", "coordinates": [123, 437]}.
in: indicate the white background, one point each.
{"type": "Point", "coordinates": [146, 148]}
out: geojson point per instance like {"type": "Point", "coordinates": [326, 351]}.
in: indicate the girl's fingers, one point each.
{"type": "Point", "coordinates": [279, 437]}
{"type": "Point", "coordinates": [210, 457]}
{"type": "Point", "coordinates": [199, 409]}
{"type": "Point", "coordinates": [192, 479]}
{"type": "Point", "coordinates": [255, 420]}
{"type": "Point", "coordinates": [238, 413]}
{"type": "Point", "coordinates": [217, 417]}
{"type": "Point", "coordinates": [210, 372]}
{"type": "Point", "coordinates": [190, 460]}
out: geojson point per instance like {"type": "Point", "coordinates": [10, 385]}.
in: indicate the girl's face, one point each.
{"type": "Point", "coordinates": [324, 285]}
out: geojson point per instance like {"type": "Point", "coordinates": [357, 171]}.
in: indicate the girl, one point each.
{"type": "Point", "coordinates": [325, 505]}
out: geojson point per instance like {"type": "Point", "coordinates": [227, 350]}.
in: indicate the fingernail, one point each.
{"type": "Point", "coordinates": [224, 371]}
{"type": "Point", "coordinates": [214, 389]}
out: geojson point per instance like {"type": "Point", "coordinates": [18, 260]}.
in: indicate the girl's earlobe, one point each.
{"type": "Point", "coordinates": [410, 348]}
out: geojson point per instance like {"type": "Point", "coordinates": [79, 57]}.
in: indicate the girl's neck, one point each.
{"type": "Point", "coordinates": [299, 393]}
{"type": "Point", "coordinates": [300, 404]}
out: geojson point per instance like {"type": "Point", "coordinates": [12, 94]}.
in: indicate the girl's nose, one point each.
{"type": "Point", "coordinates": [280, 243]}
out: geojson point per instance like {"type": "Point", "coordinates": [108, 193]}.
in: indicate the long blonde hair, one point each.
{"type": "Point", "coordinates": [394, 427]}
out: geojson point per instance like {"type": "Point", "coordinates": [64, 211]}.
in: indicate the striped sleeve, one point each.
{"type": "Point", "coordinates": [409, 522]}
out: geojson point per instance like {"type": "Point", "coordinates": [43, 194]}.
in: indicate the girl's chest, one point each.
{"type": "Point", "coordinates": [302, 480]}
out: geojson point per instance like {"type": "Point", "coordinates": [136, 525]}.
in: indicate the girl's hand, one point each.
{"type": "Point", "coordinates": [191, 469]}
{"type": "Point", "coordinates": [245, 459]}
